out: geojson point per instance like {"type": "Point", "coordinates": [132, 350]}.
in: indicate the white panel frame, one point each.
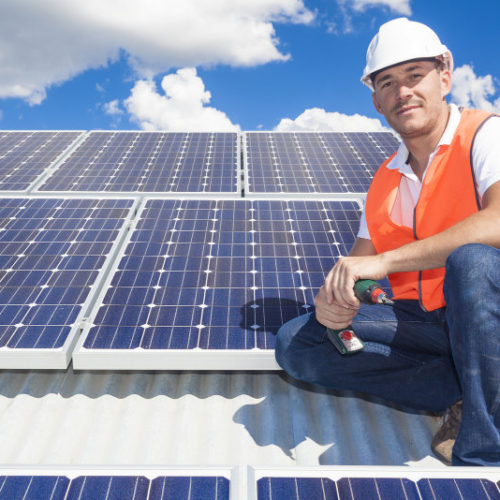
{"type": "Point", "coordinates": [148, 471]}
{"type": "Point", "coordinates": [173, 359]}
{"type": "Point", "coordinates": [59, 358]}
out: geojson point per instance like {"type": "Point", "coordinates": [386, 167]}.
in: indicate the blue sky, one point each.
{"type": "Point", "coordinates": [220, 64]}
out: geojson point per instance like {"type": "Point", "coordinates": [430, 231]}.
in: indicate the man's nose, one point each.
{"type": "Point", "coordinates": [404, 91]}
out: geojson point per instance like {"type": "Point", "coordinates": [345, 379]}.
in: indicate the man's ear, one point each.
{"type": "Point", "coordinates": [376, 104]}
{"type": "Point", "coordinates": [445, 78]}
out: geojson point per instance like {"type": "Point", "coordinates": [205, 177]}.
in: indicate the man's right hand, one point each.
{"type": "Point", "coordinates": [333, 315]}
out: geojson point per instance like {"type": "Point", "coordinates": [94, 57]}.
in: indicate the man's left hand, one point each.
{"type": "Point", "coordinates": [339, 283]}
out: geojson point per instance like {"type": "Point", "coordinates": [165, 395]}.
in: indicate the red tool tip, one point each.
{"type": "Point", "coordinates": [377, 295]}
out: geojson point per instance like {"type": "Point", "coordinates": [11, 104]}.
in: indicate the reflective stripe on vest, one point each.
{"type": "Point", "coordinates": [448, 196]}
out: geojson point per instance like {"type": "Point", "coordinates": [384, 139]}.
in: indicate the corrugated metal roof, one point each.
{"type": "Point", "coordinates": [199, 419]}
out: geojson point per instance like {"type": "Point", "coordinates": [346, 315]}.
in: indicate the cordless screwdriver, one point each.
{"type": "Point", "coordinates": [368, 292]}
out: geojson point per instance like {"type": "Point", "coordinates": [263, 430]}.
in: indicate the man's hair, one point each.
{"type": "Point", "coordinates": [440, 65]}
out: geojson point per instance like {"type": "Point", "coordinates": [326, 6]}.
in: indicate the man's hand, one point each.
{"type": "Point", "coordinates": [336, 304]}
{"type": "Point", "coordinates": [333, 315]}
{"type": "Point", "coordinates": [339, 283]}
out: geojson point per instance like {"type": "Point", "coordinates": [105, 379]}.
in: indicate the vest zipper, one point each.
{"type": "Point", "coordinates": [420, 300]}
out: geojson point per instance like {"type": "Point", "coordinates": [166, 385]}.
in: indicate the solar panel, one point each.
{"type": "Point", "coordinates": [450, 487]}
{"type": "Point", "coordinates": [206, 284]}
{"type": "Point", "coordinates": [116, 487]}
{"type": "Point", "coordinates": [151, 162]}
{"type": "Point", "coordinates": [25, 155]}
{"type": "Point", "coordinates": [297, 483]}
{"type": "Point", "coordinates": [279, 488]}
{"type": "Point", "coordinates": [313, 162]}
{"type": "Point", "coordinates": [51, 253]}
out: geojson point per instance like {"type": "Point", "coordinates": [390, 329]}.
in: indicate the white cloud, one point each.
{"type": "Point", "coordinates": [182, 107]}
{"type": "Point", "coordinates": [48, 42]}
{"type": "Point", "coordinates": [317, 119]}
{"type": "Point", "coordinates": [112, 108]}
{"type": "Point", "coordinates": [474, 91]}
{"type": "Point", "coordinates": [399, 6]}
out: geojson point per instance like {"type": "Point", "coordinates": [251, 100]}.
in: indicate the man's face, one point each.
{"type": "Point", "coordinates": [411, 97]}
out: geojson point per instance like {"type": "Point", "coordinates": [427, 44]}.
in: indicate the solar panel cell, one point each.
{"type": "Point", "coordinates": [109, 488]}
{"type": "Point", "coordinates": [377, 488]}
{"type": "Point", "coordinates": [458, 489]}
{"type": "Point", "coordinates": [33, 487]}
{"type": "Point", "coordinates": [292, 488]}
{"type": "Point", "coordinates": [189, 488]}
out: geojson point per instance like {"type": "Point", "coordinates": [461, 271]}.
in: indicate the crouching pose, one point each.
{"type": "Point", "coordinates": [431, 223]}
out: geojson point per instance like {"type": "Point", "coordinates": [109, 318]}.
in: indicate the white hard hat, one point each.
{"type": "Point", "coordinates": [402, 40]}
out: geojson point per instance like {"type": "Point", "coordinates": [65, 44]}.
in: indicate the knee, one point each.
{"type": "Point", "coordinates": [472, 273]}
{"type": "Point", "coordinates": [469, 263]}
{"type": "Point", "coordinates": [465, 255]}
{"type": "Point", "coordinates": [286, 356]}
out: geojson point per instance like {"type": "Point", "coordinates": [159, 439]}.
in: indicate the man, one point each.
{"type": "Point", "coordinates": [432, 225]}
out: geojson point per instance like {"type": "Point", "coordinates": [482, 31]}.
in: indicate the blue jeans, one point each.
{"type": "Point", "coordinates": [423, 360]}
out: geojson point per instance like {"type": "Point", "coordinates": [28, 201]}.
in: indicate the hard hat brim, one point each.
{"type": "Point", "coordinates": [446, 57]}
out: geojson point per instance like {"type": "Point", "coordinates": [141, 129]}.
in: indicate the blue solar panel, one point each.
{"type": "Point", "coordinates": [187, 488]}
{"type": "Point", "coordinates": [294, 488]}
{"type": "Point", "coordinates": [458, 489]}
{"type": "Point", "coordinates": [33, 487]}
{"type": "Point", "coordinates": [387, 488]}
{"type": "Point", "coordinates": [25, 155]}
{"type": "Point", "coordinates": [113, 488]}
{"type": "Point", "coordinates": [327, 162]}
{"type": "Point", "coordinates": [376, 488]}
{"type": "Point", "coordinates": [51, 251]}
{"type": "Point", "coordinates": [109, 488]}
{"type": "Point", "coordinates": [220, 275]}
{"type": "Point", "coordinates": [151, 162]}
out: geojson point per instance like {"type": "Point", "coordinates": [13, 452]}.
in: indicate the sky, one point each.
{"type": "Point", "coordinates": [221, 65]}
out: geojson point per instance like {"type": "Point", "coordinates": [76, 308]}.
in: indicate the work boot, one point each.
{"type": "Point", "coordinates": [442, 444]}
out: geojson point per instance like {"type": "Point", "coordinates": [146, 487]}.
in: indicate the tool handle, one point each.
{"type": "Point", "coordinates": [345, 340]}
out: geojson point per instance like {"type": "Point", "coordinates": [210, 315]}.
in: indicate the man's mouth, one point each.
{"type": "Point", "coordinates": [405, 109]}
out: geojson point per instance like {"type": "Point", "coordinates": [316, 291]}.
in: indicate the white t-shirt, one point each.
{"type": "Point", "coordinates": [485, 158]}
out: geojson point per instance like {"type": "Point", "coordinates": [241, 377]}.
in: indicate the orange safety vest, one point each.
{"type": "Point", "coordinates": [448, 196]}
